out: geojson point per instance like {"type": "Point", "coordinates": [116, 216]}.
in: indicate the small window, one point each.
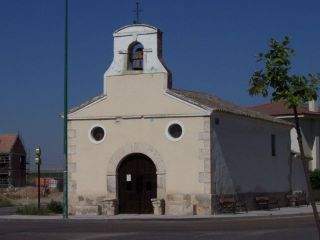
{"type": "Point", "coordinates": [4, 161]}
{"type": "Point", "coordinates": [174, 131]}
{"type": "Point", "coordinates": [4, 180]}
{"type": "Point", "coordinates": [97, 134]}
{"type": "Point", "coordinates": [273, 144]}
{"type": "Point", "coordinates": [216, 121]}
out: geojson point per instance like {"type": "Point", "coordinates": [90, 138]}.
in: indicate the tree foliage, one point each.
{"type": "Point", "coordinates": [315, 179]}
{"type": "Point", "coordinates": [276, 78]}
{"type": "Point", "coordinates": [294, 90]}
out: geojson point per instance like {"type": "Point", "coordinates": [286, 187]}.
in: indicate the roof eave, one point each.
{"type": "Point", "coordinates": [190, 101]}
{"type": "Point", "coordinates": [282, 122]}
{"type": "Point", "coordinates": [85, 104]}
{"type": "Point", "coordinates": [300, 115]}
{"type": "Point", "coordinates": [215, 109]}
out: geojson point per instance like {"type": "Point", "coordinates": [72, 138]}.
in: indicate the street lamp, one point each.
{"type": "Point", "coordinates": [65, 115]}
{"type": "Point", "coordinates": [37, 161]}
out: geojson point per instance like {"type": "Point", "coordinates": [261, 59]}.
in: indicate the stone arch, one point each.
{"type": "Point", "coordinates": [126, 150]}
{"type": "Point", "coordinates": [143, 148]}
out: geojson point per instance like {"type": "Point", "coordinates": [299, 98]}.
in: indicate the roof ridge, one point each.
{"type": "Point", "coordinates": [7, 142]}
{"type": "Point", "coordinates": [86, 103]}
{"type": "Point", "coordinates": [280, 108]}
{"type": "Point", "coordinates": [193, 91]}
{"type": "Point", "coordinates": [219, 104]}
{"type": "Point", "coordinates": [9, 134]}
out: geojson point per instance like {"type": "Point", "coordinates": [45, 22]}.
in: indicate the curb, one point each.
{"type": "Point", "coordinates": [157, 218]}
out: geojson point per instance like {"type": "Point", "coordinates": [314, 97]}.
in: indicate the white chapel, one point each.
{"type": "Point", "coordinates": [144, 147]}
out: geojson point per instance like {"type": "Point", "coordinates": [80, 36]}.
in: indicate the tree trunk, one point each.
{"type": "Point", "coordinates": [306, 170]}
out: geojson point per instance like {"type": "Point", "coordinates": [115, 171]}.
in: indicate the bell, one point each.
{"type": "Point", "coordinates": [137, 59]}
{"type": "Point", "coordinates": [137, 64]}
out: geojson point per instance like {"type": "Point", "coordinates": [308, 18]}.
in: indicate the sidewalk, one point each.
{"type": "Point", "coordinates": [283, 212]}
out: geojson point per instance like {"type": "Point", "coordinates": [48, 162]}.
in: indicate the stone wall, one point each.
{"type": "Point", "coordinates": [201, 203]}
{"type": "Point", "coordinates": [188, 204]}
{"type": "Point", "coordinates": [183, 167]}
{"type": "Point", "coordinates": [72, 169]}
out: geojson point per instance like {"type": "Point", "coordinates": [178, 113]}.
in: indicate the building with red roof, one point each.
{"type": "Point", "coordinates": [309, 116]}
{"type": "Point", "coordinates": [12, 161]}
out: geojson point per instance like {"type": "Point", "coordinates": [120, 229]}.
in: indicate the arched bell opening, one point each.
{"type": "Point", "coordinates": [135, 56]}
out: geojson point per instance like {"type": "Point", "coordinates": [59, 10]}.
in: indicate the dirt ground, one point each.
{"type": "Point", "coordinates": [29, 195]}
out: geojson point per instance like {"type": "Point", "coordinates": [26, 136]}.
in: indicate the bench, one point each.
{"type": "Point", "coordinates": [231, 204]}
{"type": "Point", "coordinates": [264, 202]}
{"type": "Point", "coordinates": [297, 198]}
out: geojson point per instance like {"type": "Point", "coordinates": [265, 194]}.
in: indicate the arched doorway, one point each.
{"type": "Point", "coordinates": [137, 184]}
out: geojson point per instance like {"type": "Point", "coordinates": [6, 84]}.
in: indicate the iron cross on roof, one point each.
{"type": "Point", "coordinates": [137, 12]}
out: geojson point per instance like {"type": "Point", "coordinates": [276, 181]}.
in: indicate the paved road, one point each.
{"type": "Point", "coordinates": [7, 210]}
{"type": "Point", "coordinates": [293, 228]}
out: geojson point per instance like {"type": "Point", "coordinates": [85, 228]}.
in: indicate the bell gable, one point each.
{"type": "Point", "coordinates": [137, 50]}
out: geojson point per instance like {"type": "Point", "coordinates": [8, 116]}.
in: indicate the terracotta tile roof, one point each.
{"type": "Point", "coordinates": [280, 109]}
{"type": "Point", "coordinates": [217, 104]}
{"type": "Point", "coordinates": [7, 142]}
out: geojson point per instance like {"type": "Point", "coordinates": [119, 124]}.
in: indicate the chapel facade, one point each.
{"type": "Point", "coordinates": [144, 147]}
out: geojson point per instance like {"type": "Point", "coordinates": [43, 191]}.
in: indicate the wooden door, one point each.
{"type": "Point", "coordinates": [137, 184]}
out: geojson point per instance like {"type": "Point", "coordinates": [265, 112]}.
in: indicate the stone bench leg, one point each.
{"type": "Point", "coordinates": [158, 206]}
{"type": "Point", "coordinates": [110, 207]}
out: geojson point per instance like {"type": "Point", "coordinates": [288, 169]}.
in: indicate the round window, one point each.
{"type": "Point", "coordinates": [97, 133]}
{"type": "Point", "coordinates": [175, 131]}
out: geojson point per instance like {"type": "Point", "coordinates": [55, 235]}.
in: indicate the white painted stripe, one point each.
{"type": "Point", "coordinates": [139, 116]}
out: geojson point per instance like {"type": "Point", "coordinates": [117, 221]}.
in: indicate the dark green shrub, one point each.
{"type": "Point", "coordinates": [5, 202]}
{"type": "Point", "coordinates": [32, 209]}
{"type": "Point", "coordinates": [315, 179]}
{"type": "Point", "coordinates": [55, 207]}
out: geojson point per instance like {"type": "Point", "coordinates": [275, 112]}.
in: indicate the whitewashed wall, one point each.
{"type": "Point", "coordinates": [242, 155]}
{"type": "Point", "coordinates": [311, 132]}
{"type": "Point", "coordinates": [298, 180]}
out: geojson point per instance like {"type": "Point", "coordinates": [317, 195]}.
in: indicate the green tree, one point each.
{"type": "Point", "coordinates": [275, 79]}
{"type": "Point", "coordinates": [315, 179]}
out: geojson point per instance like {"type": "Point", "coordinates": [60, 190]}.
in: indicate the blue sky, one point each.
{"type": "Point", "coordinates": [208, 45]}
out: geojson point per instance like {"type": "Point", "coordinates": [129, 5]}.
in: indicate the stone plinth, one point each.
{"type": "Point", "coordinates": [109, 207]}
{"type": "Point", "coordinates": [86, 210]}
{"type": "Point", "coordinates": [158, 206]}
